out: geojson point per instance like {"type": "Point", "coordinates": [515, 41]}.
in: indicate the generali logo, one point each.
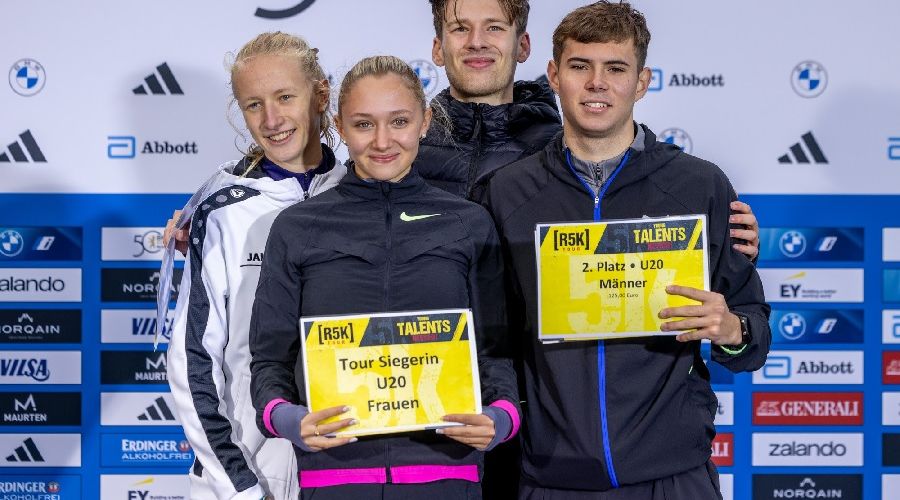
{"type": "Point", "coordinates": [890, 367]}
{"type": "Point", "coordinates": [723, 449]}
{"type": "Point", "coordinates": [807, 408]}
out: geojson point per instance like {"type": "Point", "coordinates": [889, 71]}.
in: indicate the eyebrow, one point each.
{"type": "Point", "coordinates": [391, 113]}
{"type": "Point", "coordinates": [450, 22]}
{"type": "Point", "coordinates": [589, 61]}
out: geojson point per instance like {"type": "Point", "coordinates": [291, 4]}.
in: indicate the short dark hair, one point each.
{"type": "Point", "coordinates": [602, 22]}
{"type": "Point", "coordinates": [515, 10]}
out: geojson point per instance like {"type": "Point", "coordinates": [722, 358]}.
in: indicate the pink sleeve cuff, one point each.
{"type": "Point", "coordinates": [267, 415]}
{"type": "Point", "coordinates": [510, 409]}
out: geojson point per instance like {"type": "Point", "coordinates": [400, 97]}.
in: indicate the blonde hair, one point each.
{"type": "Point", "coordinates": [282, 44]}
{"type": "Point", "coordinates": [381, 66]}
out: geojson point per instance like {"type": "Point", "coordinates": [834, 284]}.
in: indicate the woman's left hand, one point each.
{"type": "Point", "coordinates": [477, 430]}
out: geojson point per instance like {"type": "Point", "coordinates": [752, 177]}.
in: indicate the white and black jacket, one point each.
{"type": "Point", "coordinates": [208, 356]}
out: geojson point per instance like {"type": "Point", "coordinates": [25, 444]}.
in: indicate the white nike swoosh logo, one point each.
{"type": "Point", "coordinates": [410, 218]}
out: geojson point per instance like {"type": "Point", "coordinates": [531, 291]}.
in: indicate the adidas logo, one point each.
{"type": "Point", "coordinates": [158, 411]}
{"type": "Point", "coordinates": [155, 87]}
{"type": "Point", "coordinates": [28, 452]}
{"type": "Point", "coordinates": [18, 154]}
{"type": "Point", "coordinates": [799, 155]}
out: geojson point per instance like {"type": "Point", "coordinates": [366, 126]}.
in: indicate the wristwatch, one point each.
{"type": "Point", "coordinates": [745, 333]}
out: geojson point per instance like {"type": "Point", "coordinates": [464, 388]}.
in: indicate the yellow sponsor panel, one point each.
{"type": "Point", "coordinates": [608, 279]}
{"type": "Point", "coordinates": [396, 371]}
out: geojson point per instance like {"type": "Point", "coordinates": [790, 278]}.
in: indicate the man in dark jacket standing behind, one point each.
{"type": "Point", "coordinates": [621, 419]}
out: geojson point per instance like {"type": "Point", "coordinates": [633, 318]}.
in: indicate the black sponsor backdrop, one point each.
{"type": "Point", "coordinates": [40, 326]}
{"type": "Point", "coordinates": [134, 285]}
{"type": "Point", "coordinates": [133, 367]}
{"type": "Point", "coordinates": [890, 449]}
{"type": "Point", "coordinates": [40, 408]}
{"type": "Point", "coordinates": [778, 486]}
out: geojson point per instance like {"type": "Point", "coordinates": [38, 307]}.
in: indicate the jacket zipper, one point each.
{"type": "Point", "coordinates": [476, 137]}
{"type": "Point", "coordinates": [601, 345]}
{"type": "Point", "coordinates": [386, 192]}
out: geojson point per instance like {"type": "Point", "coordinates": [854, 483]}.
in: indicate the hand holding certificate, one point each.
{"type": "Point", "coordinates": [395, 371]}
{"type": "Point", "coordinates": [608, 279]}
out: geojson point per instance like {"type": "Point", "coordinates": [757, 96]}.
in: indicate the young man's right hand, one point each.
{"type": "Point", "coordinates": [180, 235]}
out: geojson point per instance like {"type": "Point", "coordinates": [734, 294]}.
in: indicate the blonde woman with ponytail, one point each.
{"type": "Point", "coordinates": [283, 96]}
{"type": "Point", "coordinates": [383, 240]}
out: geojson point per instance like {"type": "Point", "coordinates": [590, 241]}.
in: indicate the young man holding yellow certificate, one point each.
{"type": "Point", "coordinates": [635, 414]}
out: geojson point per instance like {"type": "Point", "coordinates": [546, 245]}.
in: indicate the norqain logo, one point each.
{"type": "Point", "coordinates": [283, 13]}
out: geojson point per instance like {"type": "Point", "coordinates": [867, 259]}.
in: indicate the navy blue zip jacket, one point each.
{"type": "Point", "coordinates": [349, 251]}
{"type": "Point", "coordinates": [604, 414]}
{"type": "Point", "coordinates": [484, 137]}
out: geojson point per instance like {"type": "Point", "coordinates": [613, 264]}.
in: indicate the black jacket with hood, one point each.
{"type": "Point", "coordinates": [605, 414]}
{"type": "Point", "coordinates": [484, 138]}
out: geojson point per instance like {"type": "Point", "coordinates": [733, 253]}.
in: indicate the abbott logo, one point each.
{"type": "Point", "coordinates": [121, 146]}
{"type": "Point", "coordinates": [777, 367]}
{"type": "Point", "coordinates": [811, 367]}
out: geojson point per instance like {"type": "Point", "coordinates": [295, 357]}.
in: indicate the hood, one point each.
{"type": "Point", "coordinates": [533, 103]}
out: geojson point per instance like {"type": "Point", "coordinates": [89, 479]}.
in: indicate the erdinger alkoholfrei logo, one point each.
{"type": "Point", "coordinates": [27, 77]}
{"type": "Point", "coordinates": [15, 151]}
{"type": "Point", "coordinates": [283, 13]}
{"type": "Point", "coordinates": [11, 243]}
{"type": "Point", "coordinates": [427, 73]}
{"type": "Point", "coordinates": [792, 326]}
{"type": "Point", "coordinates": [798, 154]}
{"type": "Point", "coordinates": [161, 82]}
{"type": "Point", "coordinates": [677, 137]}
{"type": "Point", "coordinates": [792, 244]}
{"type": "Point", "coordinates": [809, 79]}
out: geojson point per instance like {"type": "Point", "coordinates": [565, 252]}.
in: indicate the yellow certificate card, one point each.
{"type": "Point", "coordinates": [608, 279]}
{"type": "Point", "coordinates": [396, 371]}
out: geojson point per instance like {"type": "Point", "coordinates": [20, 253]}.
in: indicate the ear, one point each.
{"type": "Point", "coordinates": [643, 84]}
{"type": "Point", "coordinates": [426, 123]}
{"type": "Point", "coordinates": [524, 47]}
{"type": "Point", "coordinates": [339, 126]}
{"type": "Point", "coordinates": [323, 93]}
{"type": "Point", "coordinates": [553, 76]}
{"type": "Point", "coordinates": [437, 54]}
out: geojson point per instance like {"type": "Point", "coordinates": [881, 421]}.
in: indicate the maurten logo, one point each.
{"type": "Point", "coordinates": [283, 13]}
{"type": "Point", "coordinates": [158, 411]}
{"type": "Point", "coordinates": [28, 405]}
{"type": "Point", "coordinates": [152, 84]}
{"type": "Point", "coordinates": [16, 151]}
{"type": "Point", "coordinates": [27, 77]}
{"type": "Point", "coordinates": [28, 452]}
{"type": "Point", "coordinates": [809, 79]}
{"type": "Point", "coordinates": [798, 154]}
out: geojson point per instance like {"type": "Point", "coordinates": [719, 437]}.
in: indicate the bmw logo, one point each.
{"type": "Point", "coordinates": [184, 446]}
{"type": "Point", "coordinates": [428, 75]}
{"type": "Point", "coordinates": [11, 243]}
{"type": "Point", "coordinates": [52, 487]}
{"type": "Point", "coordinates": [792, 244]}
{"type": "Point", "coordinates": [792, 326]}
{"type": "Point", "coordinates": [809, 79]}
{"type": "Point", "coordinates": [677, 137]}
{"type": "Point", "coordinates": [27, 77]}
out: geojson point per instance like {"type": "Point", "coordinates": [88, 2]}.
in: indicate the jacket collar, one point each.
{"type": "Point", "coordinates": [640, 164]}
{"type": "Point", "coordinates": [352, 185]}
{"type": "Point", "coordinates": [533, 102]}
